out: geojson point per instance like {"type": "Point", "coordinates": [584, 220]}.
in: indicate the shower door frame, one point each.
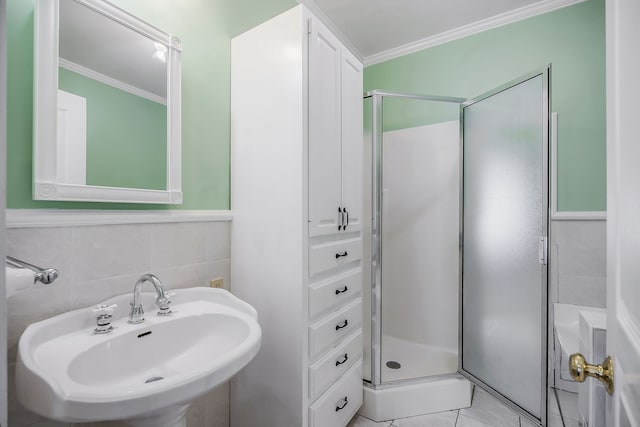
{"type": "Point", "coordinates": [545, 72]}
{"type": "Point", "coordinates": [377, 98]}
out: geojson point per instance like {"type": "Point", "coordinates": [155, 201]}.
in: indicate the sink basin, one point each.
{"type": "Point", "coordinates": [153, 369]}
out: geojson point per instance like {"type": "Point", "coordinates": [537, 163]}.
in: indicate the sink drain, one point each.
{"type": "Point", "coordinates": [392, 364]}
{"type": "Point", "coordinates": [152, 379]}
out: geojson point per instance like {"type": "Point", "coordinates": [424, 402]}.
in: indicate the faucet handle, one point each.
{"type": "Point", "coordinates": [103, 313]}
{"type": "Point", "coordinates": [104, 310]}
{"type": "Point", "coordinates": [164, 304]}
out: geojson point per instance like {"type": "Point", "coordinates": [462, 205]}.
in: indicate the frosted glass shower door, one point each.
{"type": "Point", "coordinates": [503, 335]}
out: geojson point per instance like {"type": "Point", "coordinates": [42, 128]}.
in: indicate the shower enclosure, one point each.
{"type": "Point", "coordinates": [413, 144]}
{"type": "Point", "coordinates": [457, 242]}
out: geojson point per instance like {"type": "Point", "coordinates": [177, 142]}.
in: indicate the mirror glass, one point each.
{"type": "Point", "coordinates": [118, 77]}
{"type": "Point", "coordinates": [114, 106]}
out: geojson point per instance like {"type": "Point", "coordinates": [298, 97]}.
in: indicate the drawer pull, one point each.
{"type": "Point", "coordinates": [339, 255]}
{"type": "Point", "coordinates": [340, 362]}
{"type": "Point", "coordinates": [344, 210]}
{"type": "Point", "coordinates": [341, 291]}
{"type": "Point", "coordinates": [340, 407]}
{"type": "Point", "coordinates": [344, 325]}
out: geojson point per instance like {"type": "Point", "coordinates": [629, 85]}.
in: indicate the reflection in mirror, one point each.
{"type": "Point", "coordinates": [113, 83]}
{"type": "Point", "coordinates": [121, 85]}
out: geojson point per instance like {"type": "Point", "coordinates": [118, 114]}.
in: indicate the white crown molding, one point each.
{"type": "Point", "coordinates": [29, 218]}
{"type": "Point", "coordinates": [94, 75]}
{"type": "Point", "coordinates": [319, 13]}
{"type": "Point", "coordinates": [476, 27]}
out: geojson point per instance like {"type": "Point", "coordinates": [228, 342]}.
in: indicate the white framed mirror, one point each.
{"type": "Point", "coordinates": [107, 108]}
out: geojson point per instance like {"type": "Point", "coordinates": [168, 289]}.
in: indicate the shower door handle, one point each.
{"type": "Point", "coordinates": [543, 249]}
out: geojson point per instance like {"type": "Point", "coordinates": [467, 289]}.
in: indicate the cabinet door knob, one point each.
{"type": "Point", "coordinates": [343, 404]}
{"type": "Point", "coordinates": [343, 290]}
{"type": "Point", "coordinates": [344, 359]}
{"type": "Point", "coordinates": [341, 218]}
{"type": "Point", "coordinates": [344, 325]}
{"type": "Point", "coordinates": [342, 254]}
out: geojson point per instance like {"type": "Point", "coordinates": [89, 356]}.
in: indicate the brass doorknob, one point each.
{"type": "Point", "coordinates": [580, 369]}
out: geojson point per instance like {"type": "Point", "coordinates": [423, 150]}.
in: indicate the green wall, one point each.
{"type": "Point", "coordinates": [572, 39]}
{"type": "Point", "coordinates": [125, 133]}
{"type": "Point", "coordinates": [206, 28]}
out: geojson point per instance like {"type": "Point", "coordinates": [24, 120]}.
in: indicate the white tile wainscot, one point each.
{"type": "Point", "coordinates": [102, 253]}
{"type": "Point", "coordinates": [577, 274]}
{"type": "Point", "coordinates": [577, 259]}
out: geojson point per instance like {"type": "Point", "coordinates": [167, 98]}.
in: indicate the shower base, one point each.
{"type": "Point", "coordinates": [411, 398]}
{"type": "Point", "coordinates": [424, 383]}
{"type": "Point", "coordinates": [416, 360]}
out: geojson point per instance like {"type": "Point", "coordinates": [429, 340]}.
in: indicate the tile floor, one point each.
{"type": "Point", "coordinates": [485, 411]}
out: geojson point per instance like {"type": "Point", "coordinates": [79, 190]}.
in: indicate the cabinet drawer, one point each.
{"type": "Point", "coordinates": [333, 365]}
{"type": "Point", "coordinates": [324, 256]}
{"type": "Point", "coordinates": [328, 332]}
{"type": "Point", "coordinates": [333, 293]}
{"type": "Point", "coordinates": [341, 402]}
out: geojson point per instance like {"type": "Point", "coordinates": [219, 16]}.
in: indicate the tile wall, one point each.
{"type": "Point", "coordinates": [577, 262]}
{"type": "Point", "coordinates": [577, 275]}
{"type": "Point", "coordinates": [97, 262]}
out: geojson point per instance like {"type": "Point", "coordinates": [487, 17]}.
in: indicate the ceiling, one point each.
{"type": "Point", "coordinates": [95, 42]}
{"type": "Point", "coordinates": [377, 28]}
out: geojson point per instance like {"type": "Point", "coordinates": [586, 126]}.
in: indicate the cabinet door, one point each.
{"type": "Point", "coordinates": [352, 139]}
{"type": "Point", "coordinates": [324, 131]}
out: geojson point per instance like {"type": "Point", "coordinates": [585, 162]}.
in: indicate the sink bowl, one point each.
{"type": "Point", "coordinates": [153, 369]}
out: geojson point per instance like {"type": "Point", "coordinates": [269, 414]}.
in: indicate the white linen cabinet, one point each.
{"type": "Point", "coordinates": [296, 244]}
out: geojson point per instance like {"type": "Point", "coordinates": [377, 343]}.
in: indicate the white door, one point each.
{"type": "Point", "coordinates": [623, 210]}
{"type": "Point", "coordinates": [324, 131]}
{"type": "Point", "coordinates": [352, 140]}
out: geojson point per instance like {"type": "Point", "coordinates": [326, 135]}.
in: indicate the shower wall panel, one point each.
{"type": "Point", "coordinates": [420, 254]}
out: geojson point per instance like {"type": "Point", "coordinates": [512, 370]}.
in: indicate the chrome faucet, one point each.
{"type": "Point", "coordinates": [136, 315]}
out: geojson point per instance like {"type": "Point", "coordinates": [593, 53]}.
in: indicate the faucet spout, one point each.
{"type": "Point", "coordinates": [136, 315]}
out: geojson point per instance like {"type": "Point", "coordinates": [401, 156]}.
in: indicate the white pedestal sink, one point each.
{"type": "Point", "coordinates": [175, 417]}
{"type": "Point", "coordinates": [146, 374]}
